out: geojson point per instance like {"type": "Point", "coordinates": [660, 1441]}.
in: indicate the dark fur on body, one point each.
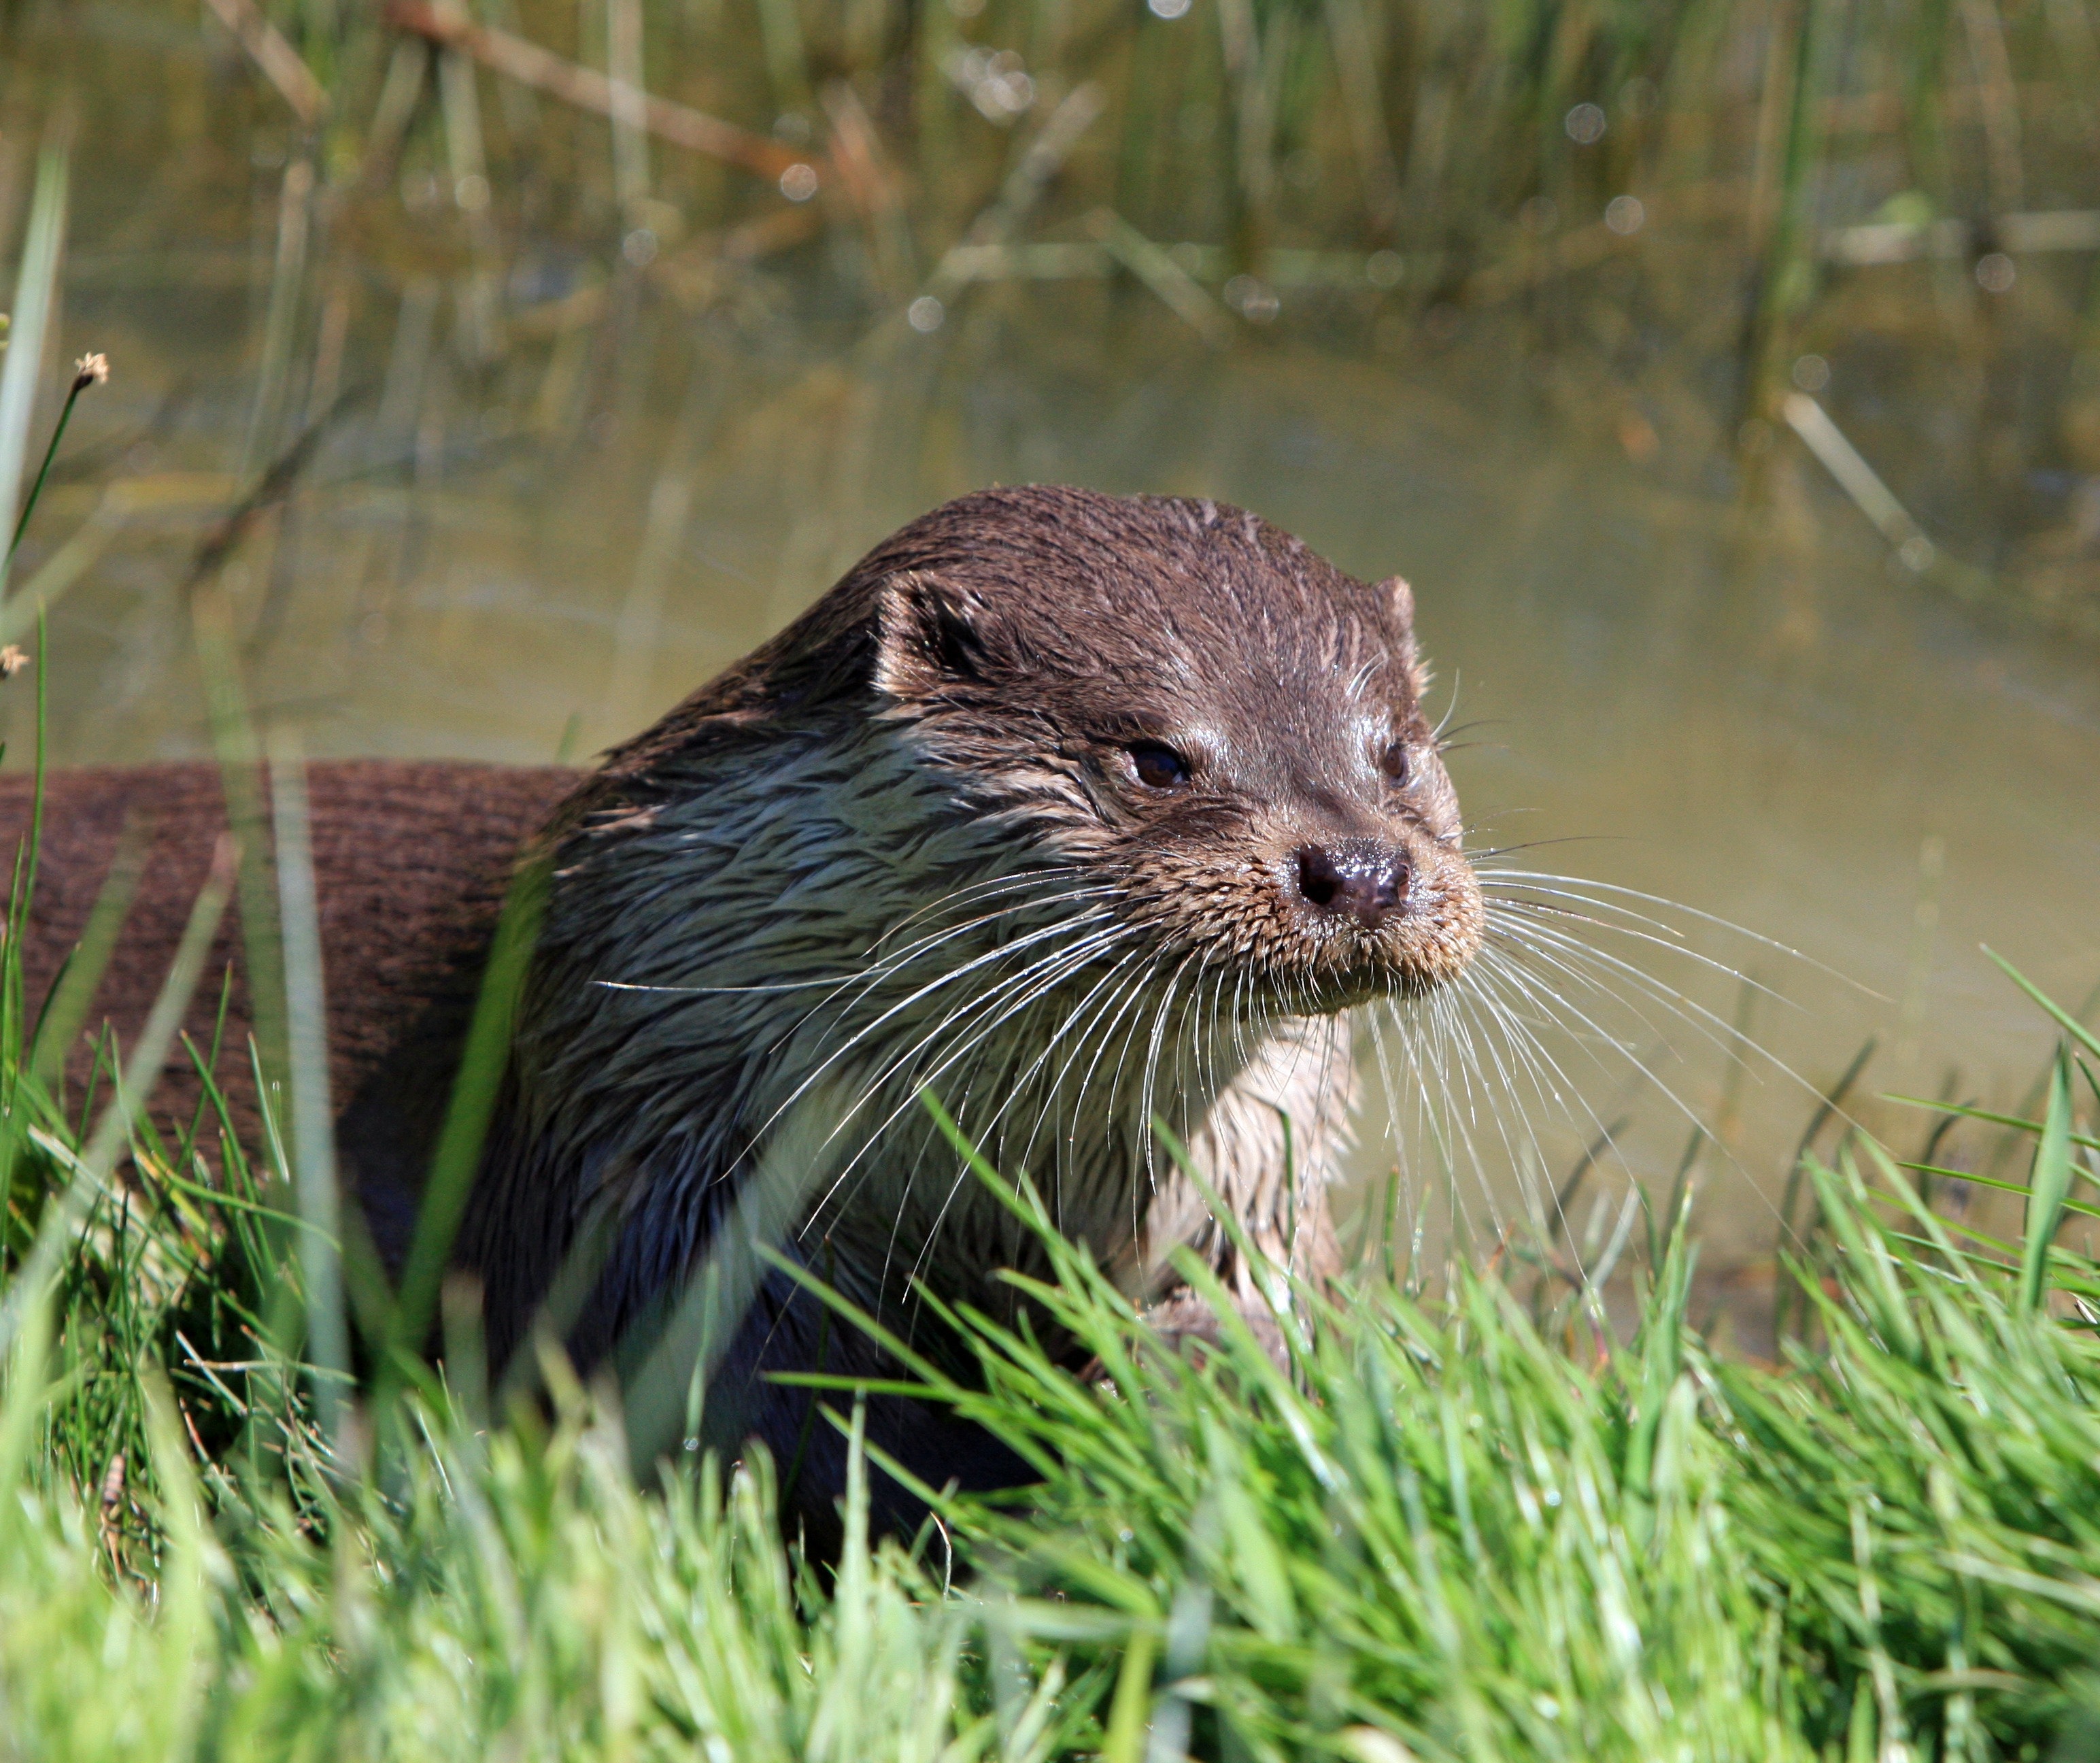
{"type": "Point", "coordinates": [921, 838]}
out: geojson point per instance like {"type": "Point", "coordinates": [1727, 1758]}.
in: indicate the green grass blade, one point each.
{"type": "Point", "coordinates": [665, 1397]}
{"type": "Point", "coordinates": [2020, 1123]}
{"type": "Point", "coordinates": [91, 371]}
{"type": "Point", "coordinates": [2064, 1020]}
{"type": "Point", "coordinates": [1129, 1714]}
{"type": "Point", "coordinates": [470, 1109]}
{"type": "Point", "coordinates": [241, 770]}
{"type": "Point", "coordinates": [73, 990]}
{"type": "Point", "coordinates": [2049, 1186]}
{"type": "Point", "coordinates": [313, 1120]}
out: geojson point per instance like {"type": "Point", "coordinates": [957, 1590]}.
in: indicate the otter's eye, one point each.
{"type": "Point", "coordinates": [1393, 761]}
{"type": "Point", "coordinates": [1158, 766]}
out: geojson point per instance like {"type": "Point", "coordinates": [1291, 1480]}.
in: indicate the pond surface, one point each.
{"type": "Point", "coordinates": [1730, 700]}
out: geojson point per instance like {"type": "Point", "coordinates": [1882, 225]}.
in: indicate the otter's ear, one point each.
{"type": "Point", "coordinates": [1400, 607]}
{"type": "Point", "coordinates": [927, 637]}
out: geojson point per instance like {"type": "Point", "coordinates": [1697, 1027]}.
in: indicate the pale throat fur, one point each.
{"type": "Point", "coordinates": [1070, 810]}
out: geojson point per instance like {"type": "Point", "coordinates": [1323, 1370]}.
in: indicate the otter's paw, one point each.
{"type": "Point", "coordinates": [1188, 1324]}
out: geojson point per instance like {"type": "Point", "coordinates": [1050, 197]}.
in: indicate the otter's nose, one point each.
{"type": "Point", "coordinates": [1364, 879]}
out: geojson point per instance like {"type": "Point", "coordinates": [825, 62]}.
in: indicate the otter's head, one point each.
{"type": "Point", "coordinates": [1192, 706]}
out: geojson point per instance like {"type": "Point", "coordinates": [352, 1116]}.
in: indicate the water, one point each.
{"type": "Point", "coordinates": [512, 548]}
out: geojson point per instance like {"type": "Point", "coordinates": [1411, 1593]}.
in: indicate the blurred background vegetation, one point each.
{"type": "Point", "coordinates": [615, 238]}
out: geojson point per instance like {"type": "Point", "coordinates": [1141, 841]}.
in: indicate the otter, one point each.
{"type": "Point", "coordinates": [1074, 813]}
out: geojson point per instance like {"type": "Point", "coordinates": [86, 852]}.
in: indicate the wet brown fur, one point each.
{"type": "Point", "coordinates": [961, 705]}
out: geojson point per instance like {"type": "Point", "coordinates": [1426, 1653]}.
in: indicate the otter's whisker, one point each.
{"type": "Point", "coordinates": [1433, 1058]}
{"type": "Point", "coordinates": [1487, 979]}
{"type": "Point", "coordinates": [1505, 1041]}
{"type": "Point", "coordinates": [1567, 954]}
{"type": "Point", "coordinates": [908, 1102]}
{"type": "Point", "coordinates": [982, 1014]}
{"type": "Point", "coordinates": [1484, 979]}
{"type": "Point", "coordinates": [1388, 1096]}
{"type": "Point", "coordinates": [1475, 1047]}
{"type": "Point", "coordinates": [1007, 998]}
{"type": "Point", "coordinates": [1641, 1068]}
{"type": "Point", "coordinates": [1150, 1075]}
{"type": "Point", "coordinates": [1445, 1125]}
{"type": "Point", "coordinates": [1624, 1052]}
{"type": "Point", "coordinates": [1518, 927]}
{"type": "Point", "coordinates": [1014, 1090]}
{"type": "Point", "coordinates": [1704, 917]}
{"type": "Point", "coordinates": [863, 976]}
{"type": "Point", "coordinates": [1003, 950]}
{"type": "Point", "coordinates": [1077, 1020]}
{"type": "Point", "coordinates": [1537, 912]}
{"type": "Point", "coordinates": [1575, 962]}
{"type": "Point", "coordinates": [1127, 1002]}
{"type": "Point", "coordinates": [1017, 1086]}
{"type": "Point", "coordinates": [930, 942]}
{"type": "Point", "coordinates": [1129, 1014]}
{"type": "Point", "coordinates": [984, 886]}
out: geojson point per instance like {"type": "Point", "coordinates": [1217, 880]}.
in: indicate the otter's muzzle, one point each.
{"type": "Point", "coordinates": [1361, 879]}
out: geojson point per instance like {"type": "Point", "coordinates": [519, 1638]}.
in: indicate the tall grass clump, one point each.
{"type": "Point", "coordinates": [1447, 1528]}
{"type": "Point", "coordinates": [510, 1596]}
{"type": "Point", "coordinates": [1441, 1529]}
{"type": "Point", "coordinates": [136, 1256]}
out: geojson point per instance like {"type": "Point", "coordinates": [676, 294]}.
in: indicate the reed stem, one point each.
{"type": "Point", "coordinates": [91, 370]}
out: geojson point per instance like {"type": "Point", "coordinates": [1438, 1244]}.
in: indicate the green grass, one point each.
{"type": "Point", "coordinates": [1450, 1529]}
